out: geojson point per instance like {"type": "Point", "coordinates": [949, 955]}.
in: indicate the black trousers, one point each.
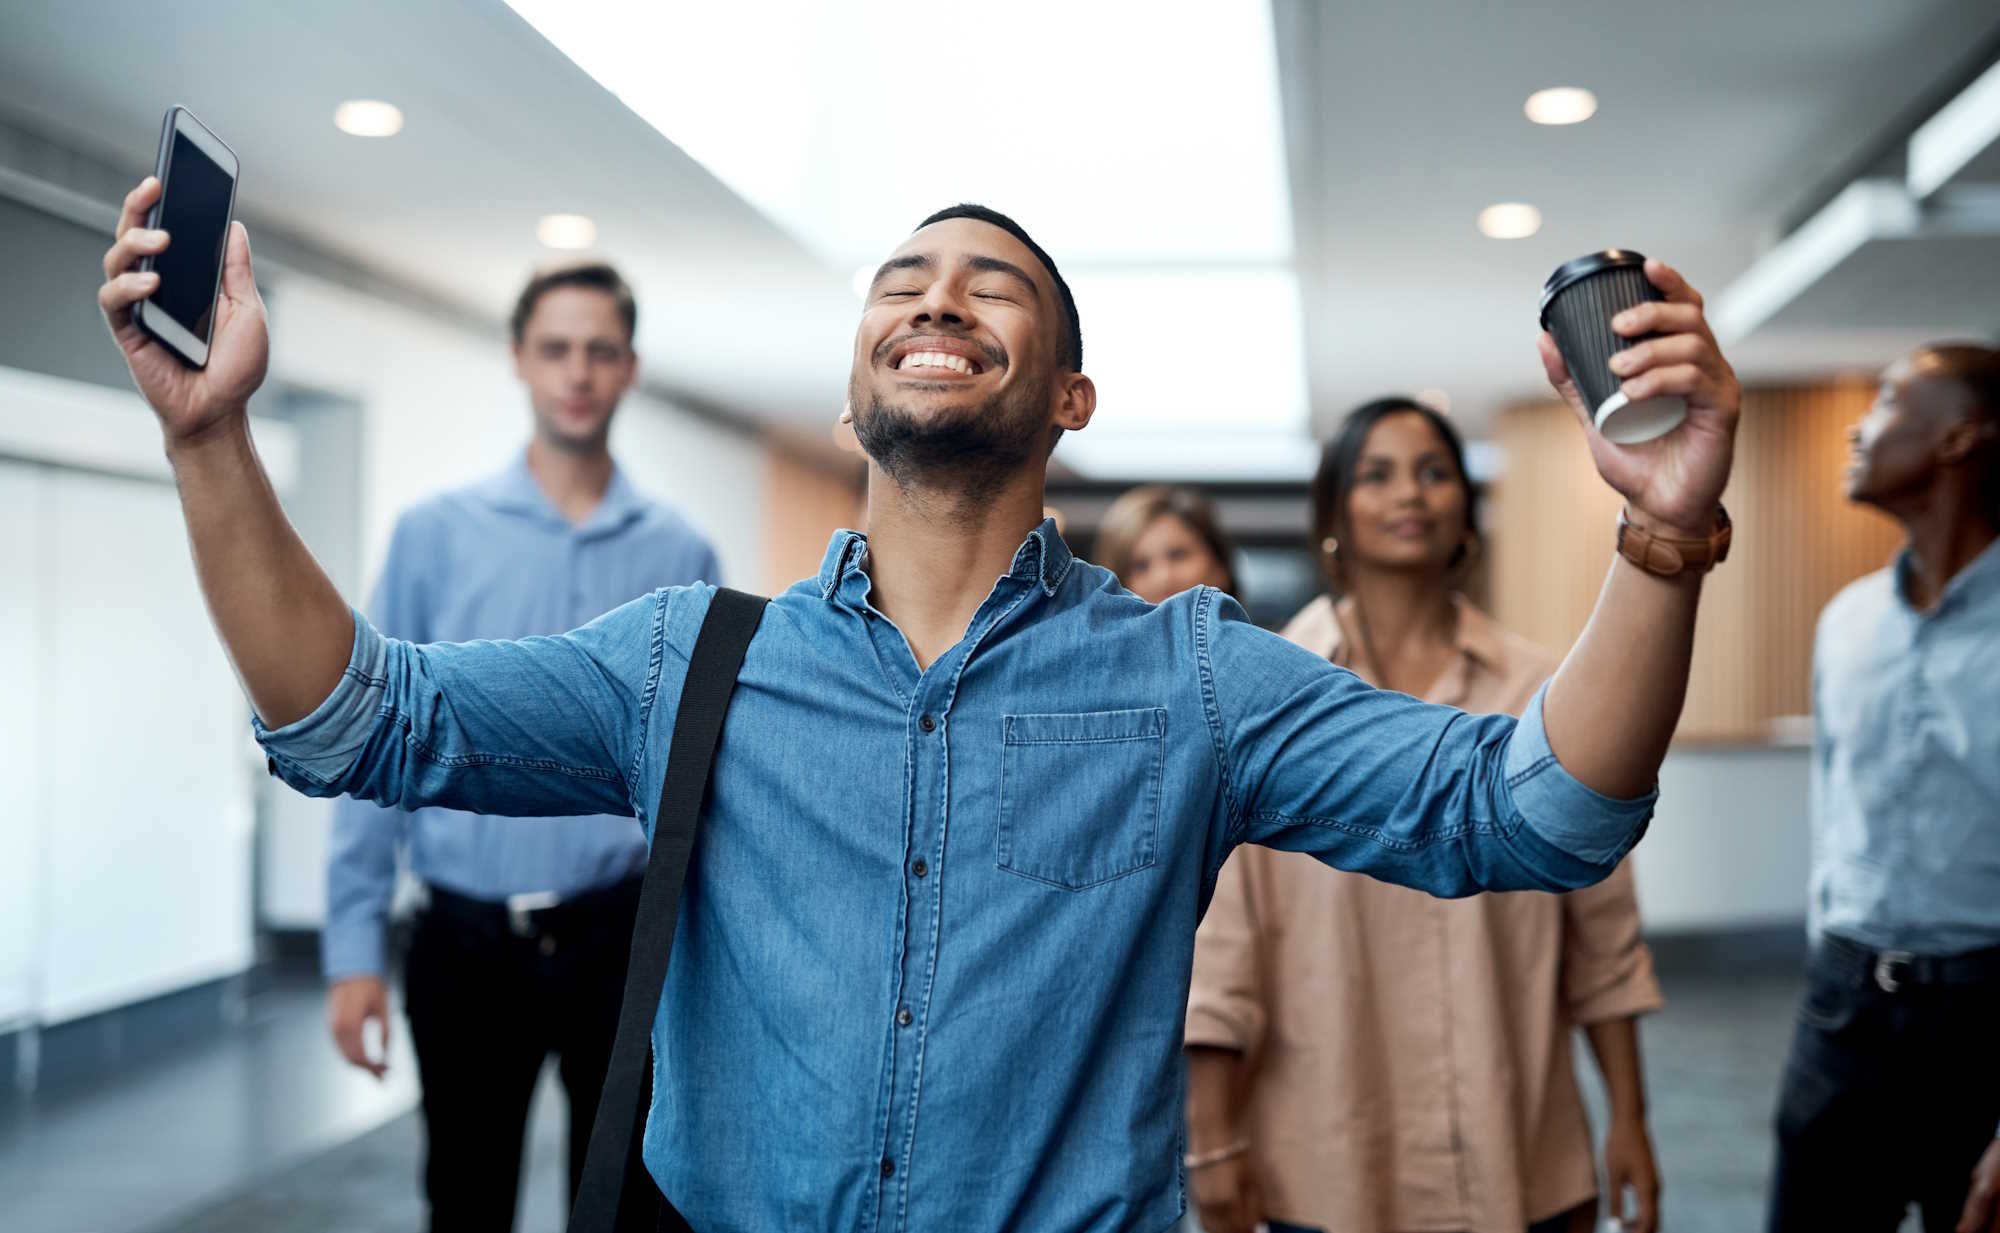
{"type": "Point", "coordinates": [1891, 1093]}
{"type": "Point", "coordinates": [489, 998]}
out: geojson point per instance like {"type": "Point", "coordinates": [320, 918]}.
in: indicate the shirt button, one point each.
{"type": "Point", "coordinates": [888, 1167]}
{"type": "Point", "coordinates": [927, 724]}
{"type": "Point", "coordinates": [919, 868]}
{"type": "Point", "coordinates": [904, 1017]}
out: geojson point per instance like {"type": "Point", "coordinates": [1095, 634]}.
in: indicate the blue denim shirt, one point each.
{"type": "Point", "coordinates": [1906, 763]}
{"type": "Point", "coordinates": [933, 957]}
{"type": "Point", "coordinates": [497, 560]}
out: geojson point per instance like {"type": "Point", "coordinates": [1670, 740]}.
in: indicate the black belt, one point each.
{"type": "Point", "coordinates": [540, 913]}
{"type": "Point", "coordinates": [1891, 970]}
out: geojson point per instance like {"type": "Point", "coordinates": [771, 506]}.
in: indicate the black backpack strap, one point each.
{"type": "Point", "coordinates": [603, 1195]}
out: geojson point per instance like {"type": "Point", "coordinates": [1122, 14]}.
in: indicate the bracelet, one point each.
{"type": "Point", "coordinates": [1201, 1160]}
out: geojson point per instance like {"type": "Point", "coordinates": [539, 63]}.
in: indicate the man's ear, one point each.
{"type": "Point", "coordinates": [514, 350]}
{"type": "Point", "coordinates": [1076, 403]}
{"type": "Point", "coordinates": [1959, 441]}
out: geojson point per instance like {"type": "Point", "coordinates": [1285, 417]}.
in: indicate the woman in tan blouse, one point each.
{"type": "Point", "coordinates": [1364, 1058]}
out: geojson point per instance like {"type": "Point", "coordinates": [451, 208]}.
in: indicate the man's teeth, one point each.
{"type": "Point", "coordinates": [937, 359]}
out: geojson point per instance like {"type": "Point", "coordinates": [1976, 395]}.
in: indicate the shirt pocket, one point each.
{"type": "Point", "coordinates": [1080, 795]}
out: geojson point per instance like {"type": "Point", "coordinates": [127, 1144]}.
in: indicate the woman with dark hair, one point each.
{"type": "Point", "coordinates": [1366, 1059]}
{"type": "Point", "coordinates": [1160, 541]}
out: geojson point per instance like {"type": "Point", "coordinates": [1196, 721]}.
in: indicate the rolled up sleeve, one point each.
{"type": "Point", "coordinates": [315, 752]}
{"type": "Point", "coordinates": [1588, 825]}
{"type": "Point", "coordinates": [1607, 969]}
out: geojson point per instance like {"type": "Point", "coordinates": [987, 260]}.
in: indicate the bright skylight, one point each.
{"type": "Point", "coordinates": [1113, 131]}
{"type": "Point", "coordinates": [1193, 349]}
{"type": "Point", "coordinates": [1141, 143]}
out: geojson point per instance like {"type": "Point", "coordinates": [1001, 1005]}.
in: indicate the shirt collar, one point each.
{"type": "Point", "coordinates": [1979, 578]}
{"type": "Point", "coordinates": [1043, 559]}
{"type": "Point", "coordinates": [514, 491]}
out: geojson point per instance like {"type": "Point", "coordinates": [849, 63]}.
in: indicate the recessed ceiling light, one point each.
{"type": "Point", "coordinates": [1435, 398]}
{"type": "Point", "coordinates": [566, 231]}
{"type": "Point", "coordinates": [1561, 105]}
{"type": "Point", "coordinates": [368, 117]}
{"type": "Point", "coordinates": [864, 278]}
{"type": "Point", "coordinates": [1510, 220]}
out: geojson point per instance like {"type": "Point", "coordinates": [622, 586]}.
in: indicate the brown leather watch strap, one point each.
{"type": "Point", "coordinates": [1670, 556]}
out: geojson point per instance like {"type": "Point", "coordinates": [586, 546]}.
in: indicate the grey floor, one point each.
{"type": "Point", "coordinates": [262, 1129]}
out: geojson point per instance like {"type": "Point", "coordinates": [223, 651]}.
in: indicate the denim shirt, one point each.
{"type": "Point", "coordinates": [1906, 763]}
{"type": "Point", "coordinates": [933, 956]}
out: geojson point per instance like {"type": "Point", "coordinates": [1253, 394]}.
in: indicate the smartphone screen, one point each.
{"type": "Point", "coordinates": [195, 215]}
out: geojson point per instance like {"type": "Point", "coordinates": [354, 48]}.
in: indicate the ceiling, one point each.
{"type": "Point", "coordinates": [500, 129]}
{"type": "Point", "coordinates": [1716, 119]}
{"type": "Point", "coordinates": [1400, 122]}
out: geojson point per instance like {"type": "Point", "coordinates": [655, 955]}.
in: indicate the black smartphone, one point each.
{"type": "Point", "coordinates": [197, 174]}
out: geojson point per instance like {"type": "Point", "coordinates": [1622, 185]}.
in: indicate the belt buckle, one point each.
{"type": "Point", "coordinates": [520, 906]}
{"type": "Point", "coordinates": [1886, 964]}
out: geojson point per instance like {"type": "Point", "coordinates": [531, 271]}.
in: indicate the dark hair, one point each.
{"type": "Point", "coordinates": [1333, 483]}
{"type": "Point", "coordinates": [1975, 368]}
{"type": "Point", "coordinates": [1132, 513]}
{"type": "Point", "coordinates": [979, 213]}
{"type": "Point", "coordinates": [593, 275]}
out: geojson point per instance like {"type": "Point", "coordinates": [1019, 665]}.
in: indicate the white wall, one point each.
{"type": "Point", "coordinates": [125, 785]}
{"type": "Point", "coordinates": [1730, 846]}
{"type": "Point", "coordinates": [441, 407]}
{"type": "Point", "coordinates": [21, 852]}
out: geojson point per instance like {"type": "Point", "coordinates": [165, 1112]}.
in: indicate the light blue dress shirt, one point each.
{"type": "Point", "coordinates": [1906, 763]}
{"type": "Point", "coordinates": [497, 560]}
{"type": "Point", "coordinates": [932, 962]}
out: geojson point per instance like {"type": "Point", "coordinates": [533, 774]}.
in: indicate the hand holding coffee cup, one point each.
{"type": "Point", "coordinates": [1614, 348]}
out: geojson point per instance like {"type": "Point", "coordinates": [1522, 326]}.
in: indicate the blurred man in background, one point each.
{"type": "Point", "coordinates": [520, 950]}
{"type": "Point", "coordinates": [1892, 1092]}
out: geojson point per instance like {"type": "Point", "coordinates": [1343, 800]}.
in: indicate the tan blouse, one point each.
{"type": "Point", "coordinates": [1410, 1056]}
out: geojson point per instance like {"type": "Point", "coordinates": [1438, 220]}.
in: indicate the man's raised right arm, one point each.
{"type": "Point", "coordinates": [541, 726]}
{"type": "Point", "coordinates": [283, 624]}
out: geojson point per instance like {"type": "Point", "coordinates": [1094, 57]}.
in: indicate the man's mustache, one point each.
{"type": "Point", "coordinates": [995, 357]}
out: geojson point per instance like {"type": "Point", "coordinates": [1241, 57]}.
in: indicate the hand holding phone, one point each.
{"type": "Point", "coordinates": [192, 388]}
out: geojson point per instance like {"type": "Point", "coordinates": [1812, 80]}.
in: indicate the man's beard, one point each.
{"type": "Point", "coordinates": [963, 453]}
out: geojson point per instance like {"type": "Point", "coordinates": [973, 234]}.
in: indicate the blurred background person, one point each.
{"type": "Point", "coordinates": [1892, 1091]}
{"type": "Point", "coordinates": [1366, 1060]}
{"type": "Point", "coordinates": [520, 948]}
{"type": "Point", "coordinates": [1161, 540]}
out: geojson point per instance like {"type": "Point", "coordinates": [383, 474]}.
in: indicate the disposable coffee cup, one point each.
{"type": "Point", "coordinates": [1578, 302]}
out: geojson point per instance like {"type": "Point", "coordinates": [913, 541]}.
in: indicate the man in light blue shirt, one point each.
{"type": "Point", "coordinates": [520, 948]}
{"type": "Point", "coordinates": [1892, 1093]}
{"type": "Point", "coordinates": [971, 797]}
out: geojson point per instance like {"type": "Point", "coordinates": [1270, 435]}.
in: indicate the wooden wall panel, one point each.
{"type": "Point", "coordinates": [807, 503]}
{"type": "Point", "coordinates": [1798, 541]}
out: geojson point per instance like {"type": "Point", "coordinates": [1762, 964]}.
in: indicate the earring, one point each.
{"type": "Point", "coordinates": [1330, 546]}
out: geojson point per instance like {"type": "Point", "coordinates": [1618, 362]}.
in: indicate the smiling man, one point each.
{"type": "Point", "coordinates": [972, 796]}
{"type": "Point", "coordinates": [1891, 1094]}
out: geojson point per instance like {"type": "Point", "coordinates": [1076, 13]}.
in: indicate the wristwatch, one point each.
{"type": "Point", "coordinates": [1669, 556]}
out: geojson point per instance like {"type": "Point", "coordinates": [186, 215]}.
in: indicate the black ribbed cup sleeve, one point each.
{"type": "Point", "coordinates": [1580, 318]}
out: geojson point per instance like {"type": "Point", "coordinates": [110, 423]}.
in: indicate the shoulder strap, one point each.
{"type": "Point", "coordinates": [615, 1136]}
